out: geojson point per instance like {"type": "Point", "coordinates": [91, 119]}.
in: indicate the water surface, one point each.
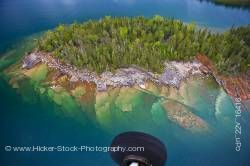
{"type": "Point", "coordinates": [27, 119]}
{"type": "Point", "coordinates": [22, 18]}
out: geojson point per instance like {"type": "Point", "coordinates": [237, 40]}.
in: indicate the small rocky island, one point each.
{"type": "Point", "coordinates": [113, 60]}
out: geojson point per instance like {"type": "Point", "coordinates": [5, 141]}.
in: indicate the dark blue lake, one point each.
{"type": "Point", "coordinates": [27, 119]}
{"type": "Point", "coordinates": [21, 18]}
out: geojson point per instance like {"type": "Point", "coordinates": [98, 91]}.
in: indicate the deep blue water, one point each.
{"type": "Point", "coordinates": [41, 122]}
{"type": "Point", "coordinates": [19, 18]}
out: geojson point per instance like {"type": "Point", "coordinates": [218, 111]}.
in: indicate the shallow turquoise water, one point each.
{"type": "Point", "coordinates": [29, 119]}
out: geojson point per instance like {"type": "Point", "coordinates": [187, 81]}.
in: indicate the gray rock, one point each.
{"type": "Point", "coordinates": [30, 61]}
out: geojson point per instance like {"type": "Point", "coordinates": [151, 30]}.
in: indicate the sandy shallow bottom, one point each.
{"type": "Point", "coordinates": [196, 122]}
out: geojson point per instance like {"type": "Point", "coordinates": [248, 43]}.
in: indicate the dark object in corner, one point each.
{"type": "Point", "coordinates": [154, 153]}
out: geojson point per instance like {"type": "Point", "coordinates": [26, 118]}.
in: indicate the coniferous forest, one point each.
{"type": "Point", "coordinates": [111, 43]}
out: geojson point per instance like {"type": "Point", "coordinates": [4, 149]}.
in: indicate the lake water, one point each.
{"type": "Point", "coordinates": [22, 18]}
{"type": "Point", "coordinates": [27, 119]}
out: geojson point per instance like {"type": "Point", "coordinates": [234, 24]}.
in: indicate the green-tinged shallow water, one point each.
{"type": "Point", "coordinates": [34, 114]}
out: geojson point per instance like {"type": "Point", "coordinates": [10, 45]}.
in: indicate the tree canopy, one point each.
{"type": "Point", "coordinates": [111, 43]}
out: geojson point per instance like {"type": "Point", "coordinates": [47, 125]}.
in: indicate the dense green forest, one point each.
{"type": "Point", "coordinates": [111, 43]}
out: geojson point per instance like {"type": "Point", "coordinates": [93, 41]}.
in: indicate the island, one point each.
{"type": "Point", "coordinates": [116, 59]}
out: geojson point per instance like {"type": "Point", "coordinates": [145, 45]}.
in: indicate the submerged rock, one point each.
{"type": "Point", "coordinates": [181, 115]}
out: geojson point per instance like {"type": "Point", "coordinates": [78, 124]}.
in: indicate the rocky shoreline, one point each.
{"type": "Point", "coordinates": [235, 86]}
{"type": "Point", "coordinates": [173, 75]}
{"type": "Point", "coordinates": [78, 82]}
